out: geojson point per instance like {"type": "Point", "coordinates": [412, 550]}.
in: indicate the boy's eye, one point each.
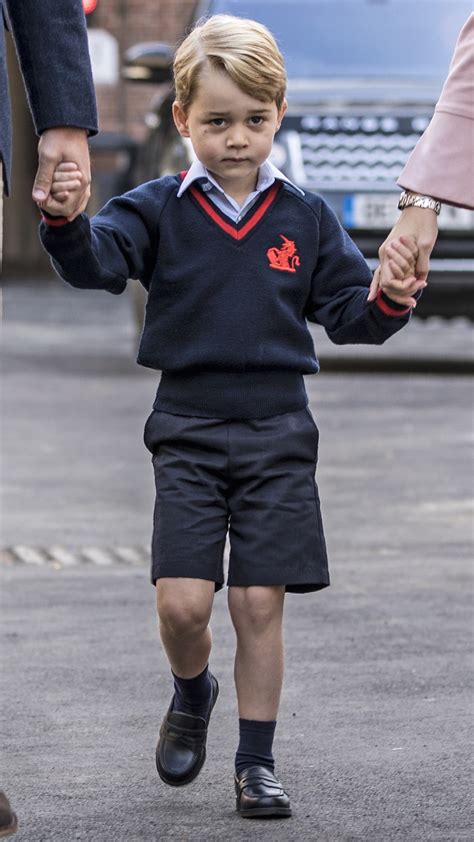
{"type": "Point", "coordinates": [218, 122]}
{"type": "Point", "coordinates": [256, 120]}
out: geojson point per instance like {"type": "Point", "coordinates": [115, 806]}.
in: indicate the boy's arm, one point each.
{"type": "Point", "coordinates": [120, 242]}
{"type": "Point", "coordinates": [340, 285]}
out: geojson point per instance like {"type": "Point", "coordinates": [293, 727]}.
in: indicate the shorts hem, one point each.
{"type": "Point", "coordinates": [218, 584]}
{"type": "Point", "coordinates": [292, 587]}
{"type": "Point", "coordinates": [307, 588]}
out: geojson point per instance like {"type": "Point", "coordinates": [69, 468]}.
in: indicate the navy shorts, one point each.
{"type": "Point", "coordinates": [251, 478]}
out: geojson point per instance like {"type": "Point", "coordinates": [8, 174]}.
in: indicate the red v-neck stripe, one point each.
{"type": "Point", "coordinates": [236, 233]}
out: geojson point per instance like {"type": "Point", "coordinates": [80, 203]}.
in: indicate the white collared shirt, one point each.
{"type": "Point", "coordinates": [267, 174]}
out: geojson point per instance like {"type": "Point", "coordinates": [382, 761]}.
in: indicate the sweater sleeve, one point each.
{"type": "Point", "coordinates": [339, 290]}
{"type": "Point", "coordinates": [118, 243]}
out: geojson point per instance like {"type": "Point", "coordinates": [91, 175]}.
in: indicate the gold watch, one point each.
{"type": "Point", "coordinates": [409, 199]}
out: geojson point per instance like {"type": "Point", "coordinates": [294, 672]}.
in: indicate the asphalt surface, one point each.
{"type": "Point", "coordinates": [373, 732]}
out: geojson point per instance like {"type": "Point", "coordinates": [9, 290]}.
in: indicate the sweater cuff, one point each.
{"type": "Point", "coordinates": [53, 221]}
{"type": "Point", "coordinates": [389, 307]}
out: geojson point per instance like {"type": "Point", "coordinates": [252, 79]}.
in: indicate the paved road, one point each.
{"type": "Point", "coordinates": [372, 740]}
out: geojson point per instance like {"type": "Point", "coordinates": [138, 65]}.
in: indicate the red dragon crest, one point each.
{"type": "Point", "coordinates": [285, 258]}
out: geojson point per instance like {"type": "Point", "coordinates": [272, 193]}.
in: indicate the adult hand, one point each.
{"type": "Point", "coordinates": [64, 143]}
{"type": "Point", "coordinates": [401, 285]}
{"type": "Point", "coordinates": [422, 225]}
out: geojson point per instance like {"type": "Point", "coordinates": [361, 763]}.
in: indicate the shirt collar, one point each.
{"type": "Point", "coordinates": [267, 174]}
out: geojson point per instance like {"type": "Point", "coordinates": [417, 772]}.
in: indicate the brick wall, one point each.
{"type": "Point", "coordinates": [122, 106]}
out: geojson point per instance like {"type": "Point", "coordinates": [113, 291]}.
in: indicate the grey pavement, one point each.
{"type": "Point", "coordinates": [373, 733]}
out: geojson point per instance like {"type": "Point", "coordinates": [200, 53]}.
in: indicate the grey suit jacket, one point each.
{"type": "Point", "coordinates": [51, 42]}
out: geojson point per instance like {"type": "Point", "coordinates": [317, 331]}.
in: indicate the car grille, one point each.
{"type": "Point", "coordinates": [340, 158]}
{"type": "Point", "coordinates": [352, 158]}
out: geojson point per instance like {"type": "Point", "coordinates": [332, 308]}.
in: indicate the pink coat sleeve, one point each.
{"type": "Point", "coordinates": [442, 162]}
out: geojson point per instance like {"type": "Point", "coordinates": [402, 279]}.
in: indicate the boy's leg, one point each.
{"type": "Point", "coordinates": [184, 609]}
{"type": "Point", "coordinates": [257, 615]}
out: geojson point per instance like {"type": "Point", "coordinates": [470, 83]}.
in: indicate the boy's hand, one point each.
{"type": "Point", "coordinates": [67, 184]}
{"type": "Point", "coordinates": [397, 277]}
{"type": "Point", "coordinates": [62, 143]}
{"type": "Point", "coordinates": [422, 224]}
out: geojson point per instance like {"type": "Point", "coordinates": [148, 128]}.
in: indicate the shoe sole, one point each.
{"type": "Point", "coordinates": [266, 813]}
{"type": "Point", "coordinates": [191, 777]}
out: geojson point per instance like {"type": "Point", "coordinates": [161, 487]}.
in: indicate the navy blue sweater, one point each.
{"type": "Point", "coordinates": [227, 302]}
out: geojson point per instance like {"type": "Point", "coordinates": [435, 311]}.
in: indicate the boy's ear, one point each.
{"type": "Point", "coordinates": [282, 112]}
{"type": "Point", "coordinates": [180, 119]}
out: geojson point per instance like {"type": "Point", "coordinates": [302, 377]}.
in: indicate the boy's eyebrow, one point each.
{"type": "Point", "coordinates": [227, 113]}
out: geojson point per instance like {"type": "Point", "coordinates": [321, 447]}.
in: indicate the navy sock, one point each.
{"type": "Point", "coordinates": [255, 744]}
{"type": "Point", "coordinates": [193, 695]}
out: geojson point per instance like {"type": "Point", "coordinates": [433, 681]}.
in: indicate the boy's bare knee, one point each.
{"type": "Point", "coordinates": [183, 610]}
{"type": "Point", "coordinates": [255, 608]}
{"type": "Point", "coordinates": [182, 619]}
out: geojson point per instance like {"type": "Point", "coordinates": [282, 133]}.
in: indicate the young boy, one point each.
{"type": "Point", "coordinates": [235, 259]}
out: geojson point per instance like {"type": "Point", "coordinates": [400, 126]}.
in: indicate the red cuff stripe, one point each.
{"type": "Point", "coordinates": [55, 222]}
{"type": "Point", "coordinates": [385, 308]}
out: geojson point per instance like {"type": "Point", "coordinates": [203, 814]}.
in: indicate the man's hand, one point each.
{"type": "Point", "coordinates": [420, 224]}
{"type": "Point", "coordinates": [57, 146]}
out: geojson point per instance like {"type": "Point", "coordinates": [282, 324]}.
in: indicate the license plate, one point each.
{"type": "Point", "coordinates": [379, 210]}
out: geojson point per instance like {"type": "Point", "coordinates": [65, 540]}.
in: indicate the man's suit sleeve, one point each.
{"type": "Point", "coordinates": [442, 164]}
{"type": "Point", "coordinates": [51, 41]}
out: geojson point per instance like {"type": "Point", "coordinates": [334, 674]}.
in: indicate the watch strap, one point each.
{"type": "Point", "coordinates": [417, 200]}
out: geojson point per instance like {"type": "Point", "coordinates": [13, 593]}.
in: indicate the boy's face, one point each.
{"type": "Point", "coordinates": [231, 132]}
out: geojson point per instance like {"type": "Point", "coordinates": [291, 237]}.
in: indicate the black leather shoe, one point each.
{"type": "Point", "coordinates": [8, 819]}
{"type": "Point", "coordinates": [181, 749]}
{"type": "Point", "coordinates": [260, 794]}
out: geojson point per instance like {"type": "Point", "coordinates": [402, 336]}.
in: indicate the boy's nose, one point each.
{"type": "Point", "coordinates": [237, 138]}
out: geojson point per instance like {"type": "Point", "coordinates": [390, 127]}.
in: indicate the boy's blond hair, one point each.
{"type": "Point", "coordinates": [244, 49]}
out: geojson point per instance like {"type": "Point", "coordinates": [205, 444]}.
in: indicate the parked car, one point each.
{"type": "Point", "coordinates": [363, 80]}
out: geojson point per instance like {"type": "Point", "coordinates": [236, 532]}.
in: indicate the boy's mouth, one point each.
{"type": "Point", "coordinates": [235, 160]}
